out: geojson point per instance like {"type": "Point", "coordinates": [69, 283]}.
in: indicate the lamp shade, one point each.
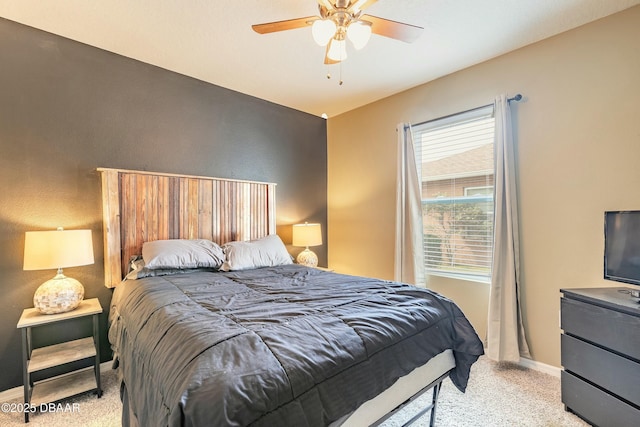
{"type": "Point", "coordinates": [58, 249]}
{"type": "Point", "coordinates": [337, 50]}
{"type": "Point", "coordinates": [44, 250]}
{"type": "Point", "coordinates": [307, 235]}
{"type": "Point", "coordinates": [359, 33]}
{"type": "Point", "coordinates": [323, 30]}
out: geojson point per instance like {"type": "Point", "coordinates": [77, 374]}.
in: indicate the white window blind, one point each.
{"type": "Point", "coordinates": [455, 157]}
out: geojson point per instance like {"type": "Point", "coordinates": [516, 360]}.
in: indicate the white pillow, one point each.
{"type": "Point", "coordinates": [268, 251]}
{"type": "Point", "coordinates": [181, 254]}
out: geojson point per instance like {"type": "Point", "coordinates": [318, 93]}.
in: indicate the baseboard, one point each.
{"type": "Point", "coordinates": [540, 367]}
{"type": "Point", "coordinates": [18, 392]}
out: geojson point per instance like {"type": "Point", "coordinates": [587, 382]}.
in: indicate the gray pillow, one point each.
{"type": "Point", "coordinates": [268, 251]}
{"type": "Point", "coordinates": [137, 270]}
{"type": "Point", "coordinates": [182, 254]}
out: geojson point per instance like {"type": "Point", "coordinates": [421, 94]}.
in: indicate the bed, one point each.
{"type": "Point", "coordinates": [239, 335]}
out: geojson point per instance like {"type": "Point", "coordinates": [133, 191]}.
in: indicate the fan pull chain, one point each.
{"type": "Point", "coordinates": [329, 75]}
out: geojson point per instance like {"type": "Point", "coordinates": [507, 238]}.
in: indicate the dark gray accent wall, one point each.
{"type": "Point", "coordinates": [67, 108]}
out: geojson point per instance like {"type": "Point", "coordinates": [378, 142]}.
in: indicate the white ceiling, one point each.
{"type": "Point", "coordinates": [212, 40]}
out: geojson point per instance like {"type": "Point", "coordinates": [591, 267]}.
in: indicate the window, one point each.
{"type": "Point", "coordinates": [455, 158]}
{"type": "Point", "coordinates": [477, 191]}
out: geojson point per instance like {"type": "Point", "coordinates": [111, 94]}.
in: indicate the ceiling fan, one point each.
{"type": "Point", "coordinates": [340, 20]}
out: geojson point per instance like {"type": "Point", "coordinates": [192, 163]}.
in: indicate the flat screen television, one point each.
{"type": "Point", "coordinates": [622, 246]}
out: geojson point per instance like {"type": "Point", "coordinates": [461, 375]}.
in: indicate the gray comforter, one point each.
{"type": "Point", "coordinates": [282, 346]}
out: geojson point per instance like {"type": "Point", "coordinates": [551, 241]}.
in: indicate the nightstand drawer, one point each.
{"type": "Point", "coordinates": [612, 329]}
{"type": "Point", "coordinates": [595, 405]}
{"type": "Point", "coordinates": [614, 373]}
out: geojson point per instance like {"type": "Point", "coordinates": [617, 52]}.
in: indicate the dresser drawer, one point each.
{"type": "Point", "coordinates": [595, 405]}
{"type": "Point", "coordinates": [618, 375]}
{"type": "Point", "coordinates": [608, 328]}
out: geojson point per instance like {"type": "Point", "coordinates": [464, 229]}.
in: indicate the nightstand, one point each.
{"type": "Point", "coordinates": [37, 359]}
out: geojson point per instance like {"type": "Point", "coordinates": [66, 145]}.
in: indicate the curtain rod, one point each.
{"type": "Point", "coordinates": [516, 98]}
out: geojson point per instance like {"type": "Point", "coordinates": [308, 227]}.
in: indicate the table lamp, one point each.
{"type": "Point", "coordinates": [307, 235]}
{"type": "Point", "coordinates": [44, 250]}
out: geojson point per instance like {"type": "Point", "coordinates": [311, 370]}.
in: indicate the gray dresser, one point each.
{"type": "Point", "coordinates": [601, 355]}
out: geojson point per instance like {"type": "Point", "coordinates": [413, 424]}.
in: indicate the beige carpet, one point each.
{"type": "Point", "coordinates": [498, 395]}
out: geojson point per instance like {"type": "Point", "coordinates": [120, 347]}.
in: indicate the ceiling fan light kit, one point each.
{"type": "Point", "coordinates": [323, 31]}
{"type": "Point", "coordinates": [342, 19]}
{"type": "Point", "coordinates": [359, 32]}
{"type": "Point", "coordinates": [337, 50]}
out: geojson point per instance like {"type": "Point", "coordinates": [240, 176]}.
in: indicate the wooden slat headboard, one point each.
{"type": "Point", "coordinates": [142, 206]}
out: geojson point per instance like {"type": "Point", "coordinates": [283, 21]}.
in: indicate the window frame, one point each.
{"type": "Point", "coordinates": [453, 120]}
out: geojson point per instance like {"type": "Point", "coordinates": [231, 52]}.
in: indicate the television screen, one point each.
{"type": "Point", "coordinates": [622, 246]}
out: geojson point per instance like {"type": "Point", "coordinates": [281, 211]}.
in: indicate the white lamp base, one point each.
{"type": "Point", "coordinates": [58, 295]}
{"type": "Point", "coordinates": [307, 258]}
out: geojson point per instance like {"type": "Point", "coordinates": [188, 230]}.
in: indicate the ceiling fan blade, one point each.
{"type": "Point", "coordinates": [359, 5]}
{"type": "Point", "coordinates": [289, 24]}
{"type": "Point", "coordinates": [326, 4]}
{"type": "Point", "coordinates": [393, 29]}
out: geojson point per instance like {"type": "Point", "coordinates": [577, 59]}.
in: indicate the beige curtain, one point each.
{"type": "Point", "coordinates": [409, 255]}
{"type": "Point", "coordinates": [505, 332]}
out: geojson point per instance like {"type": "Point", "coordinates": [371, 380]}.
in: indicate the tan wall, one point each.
{"type": "Point", "coordinates": [578, 148]}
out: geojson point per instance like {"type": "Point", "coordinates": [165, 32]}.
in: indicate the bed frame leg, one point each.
{"type": "Point", "coordinates": [432, 407]}
{"type": "Point", "coordinates": [435, 386]}
{"type": "Point", "coordinates": [434, 404]}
